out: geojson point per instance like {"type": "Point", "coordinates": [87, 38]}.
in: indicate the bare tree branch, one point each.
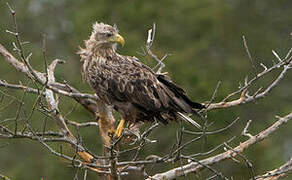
{"type": "Point", "coordinates": [195, 167]}
{"type": "Point", "coordinates": [245, 97]}
{"type": "Point", "coordinates": [278, 173]}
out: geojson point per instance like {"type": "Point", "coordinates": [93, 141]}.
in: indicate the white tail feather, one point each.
{"type": "Point", "coordinates": [188, 119]}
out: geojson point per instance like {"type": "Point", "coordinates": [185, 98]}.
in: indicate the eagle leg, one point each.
{"type": "Point", "coordinates": [120, 128]}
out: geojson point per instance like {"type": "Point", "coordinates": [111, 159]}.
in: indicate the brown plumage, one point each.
{"type": "Point", "coordinates": [131, 87]}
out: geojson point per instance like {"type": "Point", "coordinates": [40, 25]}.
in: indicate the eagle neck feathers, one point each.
{"type": "Point", "coordinates": [94, 53]}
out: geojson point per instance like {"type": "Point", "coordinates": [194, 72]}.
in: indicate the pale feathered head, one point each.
{"type": "Point", "coordinates": [103, 37]}
{"type": "Point", "coordinates": [106, 35]}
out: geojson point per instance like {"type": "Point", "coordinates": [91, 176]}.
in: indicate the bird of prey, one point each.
{"type": "Point", "coordinates": [130, 87]}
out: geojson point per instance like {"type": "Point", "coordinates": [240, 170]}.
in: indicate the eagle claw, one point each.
{"type": "Point", "coordinates": [111, 132]}
{"type": "Point", "coordinates": [120, 128]}
{"type": "Point", "coordinates": [117, 132]}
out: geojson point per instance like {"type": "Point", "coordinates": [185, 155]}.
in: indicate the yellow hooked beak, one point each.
{"type": "Point", "coordinates": [118, 39]}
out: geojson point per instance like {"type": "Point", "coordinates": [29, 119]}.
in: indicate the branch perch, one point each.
{"type": "Point", "coordinates": [196, 167]}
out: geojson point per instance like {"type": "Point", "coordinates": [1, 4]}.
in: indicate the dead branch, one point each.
{"type": "Point", "coordinates": [278, 173]}
{"type": "Point", "coordinates": [195, 167]}
{"type": "Point", "coordinates": [48, 81]}
{"type": "Point", "coordinates": [84, 99]}
{"type": "Point", "coordinates": [78, 125]}
{"type": "Point", "coordinates": [285, 64]}
{"type": "Point", "coordinates": [147, 51]}
{"type": "Point", "coordinates": [52, 103]}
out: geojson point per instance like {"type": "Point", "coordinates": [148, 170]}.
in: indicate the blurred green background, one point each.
{"type": "Point", "coordinates": [205, 40]}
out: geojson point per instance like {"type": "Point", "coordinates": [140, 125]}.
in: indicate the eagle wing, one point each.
{"type": "Point", "coordinates": [131, 81]}
{"type": "Point", "coordinates": [125, 79]}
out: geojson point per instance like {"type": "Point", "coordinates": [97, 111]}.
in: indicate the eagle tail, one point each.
{"type": "Point", "coordinates": [195, 105]}
{"type": "Point", "coordinates": [188, 119]}
{"type": "Point", "coordinates": [180, 93]}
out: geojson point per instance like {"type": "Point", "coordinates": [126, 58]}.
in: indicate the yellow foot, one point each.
{"type": "Point", "coordinates": [111, 132]}
{"type": "Point", "coordinates": [120, 128]}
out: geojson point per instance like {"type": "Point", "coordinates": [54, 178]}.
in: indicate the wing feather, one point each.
{"type": "Point", "coordinates": [127, 80]}
{"type": "Point", "coordinates": [124, 79]}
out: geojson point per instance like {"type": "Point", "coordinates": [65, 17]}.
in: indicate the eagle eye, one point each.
{"type": "Point", "coordinates": [108, 34]}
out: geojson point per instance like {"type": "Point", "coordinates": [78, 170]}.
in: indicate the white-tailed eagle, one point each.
{"type": "Point", "coordinates": [132, 88]}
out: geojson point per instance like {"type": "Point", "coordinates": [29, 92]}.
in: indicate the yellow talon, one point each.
{"type": "Point", "coordinates": [120, 128]}
{"type": "Point", "coordinates": [111, 132]}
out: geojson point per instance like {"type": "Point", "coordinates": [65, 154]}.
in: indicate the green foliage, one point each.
{"type": "Point", "coordinates": [205, 40]}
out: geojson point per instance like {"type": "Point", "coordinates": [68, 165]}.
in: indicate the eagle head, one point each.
{"type": "Point", "coordinates": [106, 35]}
